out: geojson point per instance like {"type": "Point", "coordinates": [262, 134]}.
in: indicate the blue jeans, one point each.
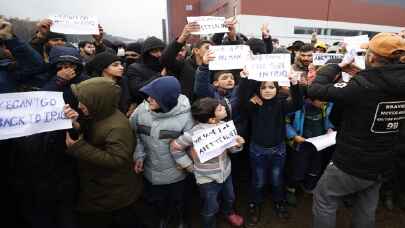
{"type": "Point", "coordinates": [265, 162]}
{"type": "Point", "coordinates": [209, 194]}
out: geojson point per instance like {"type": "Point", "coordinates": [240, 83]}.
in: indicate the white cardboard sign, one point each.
{"type": "Point", "coordinates": [228, 57]}
{"type": "Point", "coordinates": [209, 24]}
{"type": "Point", "coordinates": [354, 42]}
{"type": "Point", "coordinates": [28, 113]}
{"type": "Point", "coordinates": [210, 143]}
{"type": "Point", "coordinates": [321, 58]}
{"type": "Point", "coordinates": [68, 24]}
{"type": "Point", "coordinates": [269, 67]}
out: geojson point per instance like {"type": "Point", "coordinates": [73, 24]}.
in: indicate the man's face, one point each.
{"type": "Point", "coordinates": [114, 70]}
{"type": "Point", "coordinates": [225, 81]}
{"type": "Point", "coordinates": [89, 49]}
{"type": "Point", "coordinates": [132, 56]}
{"type": "Point", "coordinates": [320, 50]}
{"type": "Point", "coordinates": [56, 42]}
{"type": "Point", "coordinates": [305, 57]}
{"type": "Point", "coordinates": [157, 52]}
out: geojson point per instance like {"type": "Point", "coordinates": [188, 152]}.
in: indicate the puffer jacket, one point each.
{"type": "Point", "coordinates": [216, 169]}
{"type": "Point", "coordinates": [155, 131]}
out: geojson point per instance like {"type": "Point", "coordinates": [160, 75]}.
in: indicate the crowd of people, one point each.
{"type": "Point", "coordinates": [135, 108]}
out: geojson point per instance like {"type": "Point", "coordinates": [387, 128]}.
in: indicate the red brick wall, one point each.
{"type": "Point", "coordinates": [177, 15]}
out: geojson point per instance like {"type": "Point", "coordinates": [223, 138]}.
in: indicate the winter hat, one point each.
{"type": "Point", "coordinates": [257, 46]}
{"type": "Point", "coordinates": [100, 62]}
{"type": "Point", "coordinates": [152, 43]}
{"type": "Point", "coordinates": [165, 90]}
{"type": "Point", "coordinates": [386, 44]}
{"type": "Point", "coordinates": [296, 45]}
{"type": "Point", "coordinates": [54, 35]}
{"type": "Point", "coordinates": [136, 47]}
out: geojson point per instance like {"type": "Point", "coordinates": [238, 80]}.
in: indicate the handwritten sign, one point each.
{"type": "Point", "coordinates": [68, 24]}
{"type": "Point", "coordinates": [228, 57]}
{"type": "Point", "coordinates": [269, 67]}
{"type": "Point", "coordinates": [209, 25]}
{"type": "Point", "coordinates": [354, 42]}
{"type": "Point", "coordinates": [29, 113]}
{"type": "Point", "coordinates": [321, 58]}
{"type": "Point", "coordinates": [210, 143]}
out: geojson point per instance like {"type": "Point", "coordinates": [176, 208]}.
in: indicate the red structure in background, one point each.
{"type": "Point", "coordinates": [378, 12]}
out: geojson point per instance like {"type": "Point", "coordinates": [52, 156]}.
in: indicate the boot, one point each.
{"type": "Point", "coordinates": [254, 212]}
{"type": "Point", "coordinates": [182, 219]}
{"type": "Point", "coordinates": [209, 221]}
{"type": "Point", "coordinates": [291, 197]}
{"type": "Point", "coordinates": [281, 210]}
{"type": "Point", "coordinates": [164, 222]}
{"type": "Point", "coordinates": [388, 200]}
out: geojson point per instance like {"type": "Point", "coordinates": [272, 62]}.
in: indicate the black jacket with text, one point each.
{"type": "Point", "coordinates": [372, 117]}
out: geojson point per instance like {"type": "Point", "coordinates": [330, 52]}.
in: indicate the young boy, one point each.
{"type": "Point", "coordinates": [164, 116]}
{"type": "Point", "coordinates": [214, 176]}
{"type": "Point", "coordinates": [222, 86]}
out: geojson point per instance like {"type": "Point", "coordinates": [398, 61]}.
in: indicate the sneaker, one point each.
{"type": "Point", "coordinates": [291, 197]}
{"type": "Point", "coordinates": [253, 215]}
{"type": "Point", "coordinates": [281, 210]}
{"type": "Point", "coordinates": [388, 202]}
{"type": "Point", "coordinates": [235, 219]}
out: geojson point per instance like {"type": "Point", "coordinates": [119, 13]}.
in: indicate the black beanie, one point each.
{"type": "Point", "coordinates": [100, 62]}
{"type": "Point", "coordinates": [257, 46]}
{"type": "Point", "coordinates": [152, 43]}
{"type": "Point", "coordinates": [136, 47]}
{"type": "Point", "coordinates": [54, 35]}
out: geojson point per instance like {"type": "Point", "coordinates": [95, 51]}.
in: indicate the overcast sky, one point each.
{"type": "Point", "coordinates": [128, 18]}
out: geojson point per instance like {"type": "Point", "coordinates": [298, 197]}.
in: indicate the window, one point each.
{"type": "Point", "coordinates": [306, 30]}
{"type": "Point", "coordinates": [344, 32]}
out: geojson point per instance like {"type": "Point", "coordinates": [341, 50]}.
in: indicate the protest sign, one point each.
{"type": "Point", "coordinates": [354, 42]}
{"type": "Point", "coordinates": [68, 24]}
{"type": "Point", "coordinates": [321, 58]}
{"type": "Point", "coordinates": [28, 113]}
{"type": "Point", "coordinates": [228, 57]}
{"type": "Point", "coordinates": [210, 143]}
{"type": "Point", "coordinates": [269, 67]}
{"type": "Point", "coordinates": [209, 25]}
{"type": "Point", "coordinates": [323, 141]}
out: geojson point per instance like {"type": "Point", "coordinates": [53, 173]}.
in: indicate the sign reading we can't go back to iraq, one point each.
{"type": "Point", "coordinates": [28, 113]}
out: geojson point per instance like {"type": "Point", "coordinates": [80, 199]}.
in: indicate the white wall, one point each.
{"type": "Point", "coordinates": [283, 28]}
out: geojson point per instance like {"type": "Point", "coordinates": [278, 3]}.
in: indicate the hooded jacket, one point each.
{"type": "Point", "coordinates": [157, 129]}
{"type": "Point", "coordinates": [105, 150]}
{"type": "Point", "coordinates": [140, 74]}
{"type": "Point", "coordinates": [372, 118]}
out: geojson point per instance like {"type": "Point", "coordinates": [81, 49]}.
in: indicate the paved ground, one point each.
{"type": "Point", "coordinates": [300, 216]}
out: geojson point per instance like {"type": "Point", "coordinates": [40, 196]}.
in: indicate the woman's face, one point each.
{"type": "Point", "coordinates": [268, 90]}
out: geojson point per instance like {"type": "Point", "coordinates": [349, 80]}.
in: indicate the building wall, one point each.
{"type": "Point", "coordinates": [356, 11]}
{"type": "Point", "coordinates": [177, 15]}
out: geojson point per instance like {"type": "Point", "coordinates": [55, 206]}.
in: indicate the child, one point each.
{"type": "Point", "coordinates": [163, 117]}
{"type": "Point", "coordinates": [267, 147]}
{"type": "Point", "coordinates": [214, 176]}
{"type": "Point", "coordinates": [222, 86]}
